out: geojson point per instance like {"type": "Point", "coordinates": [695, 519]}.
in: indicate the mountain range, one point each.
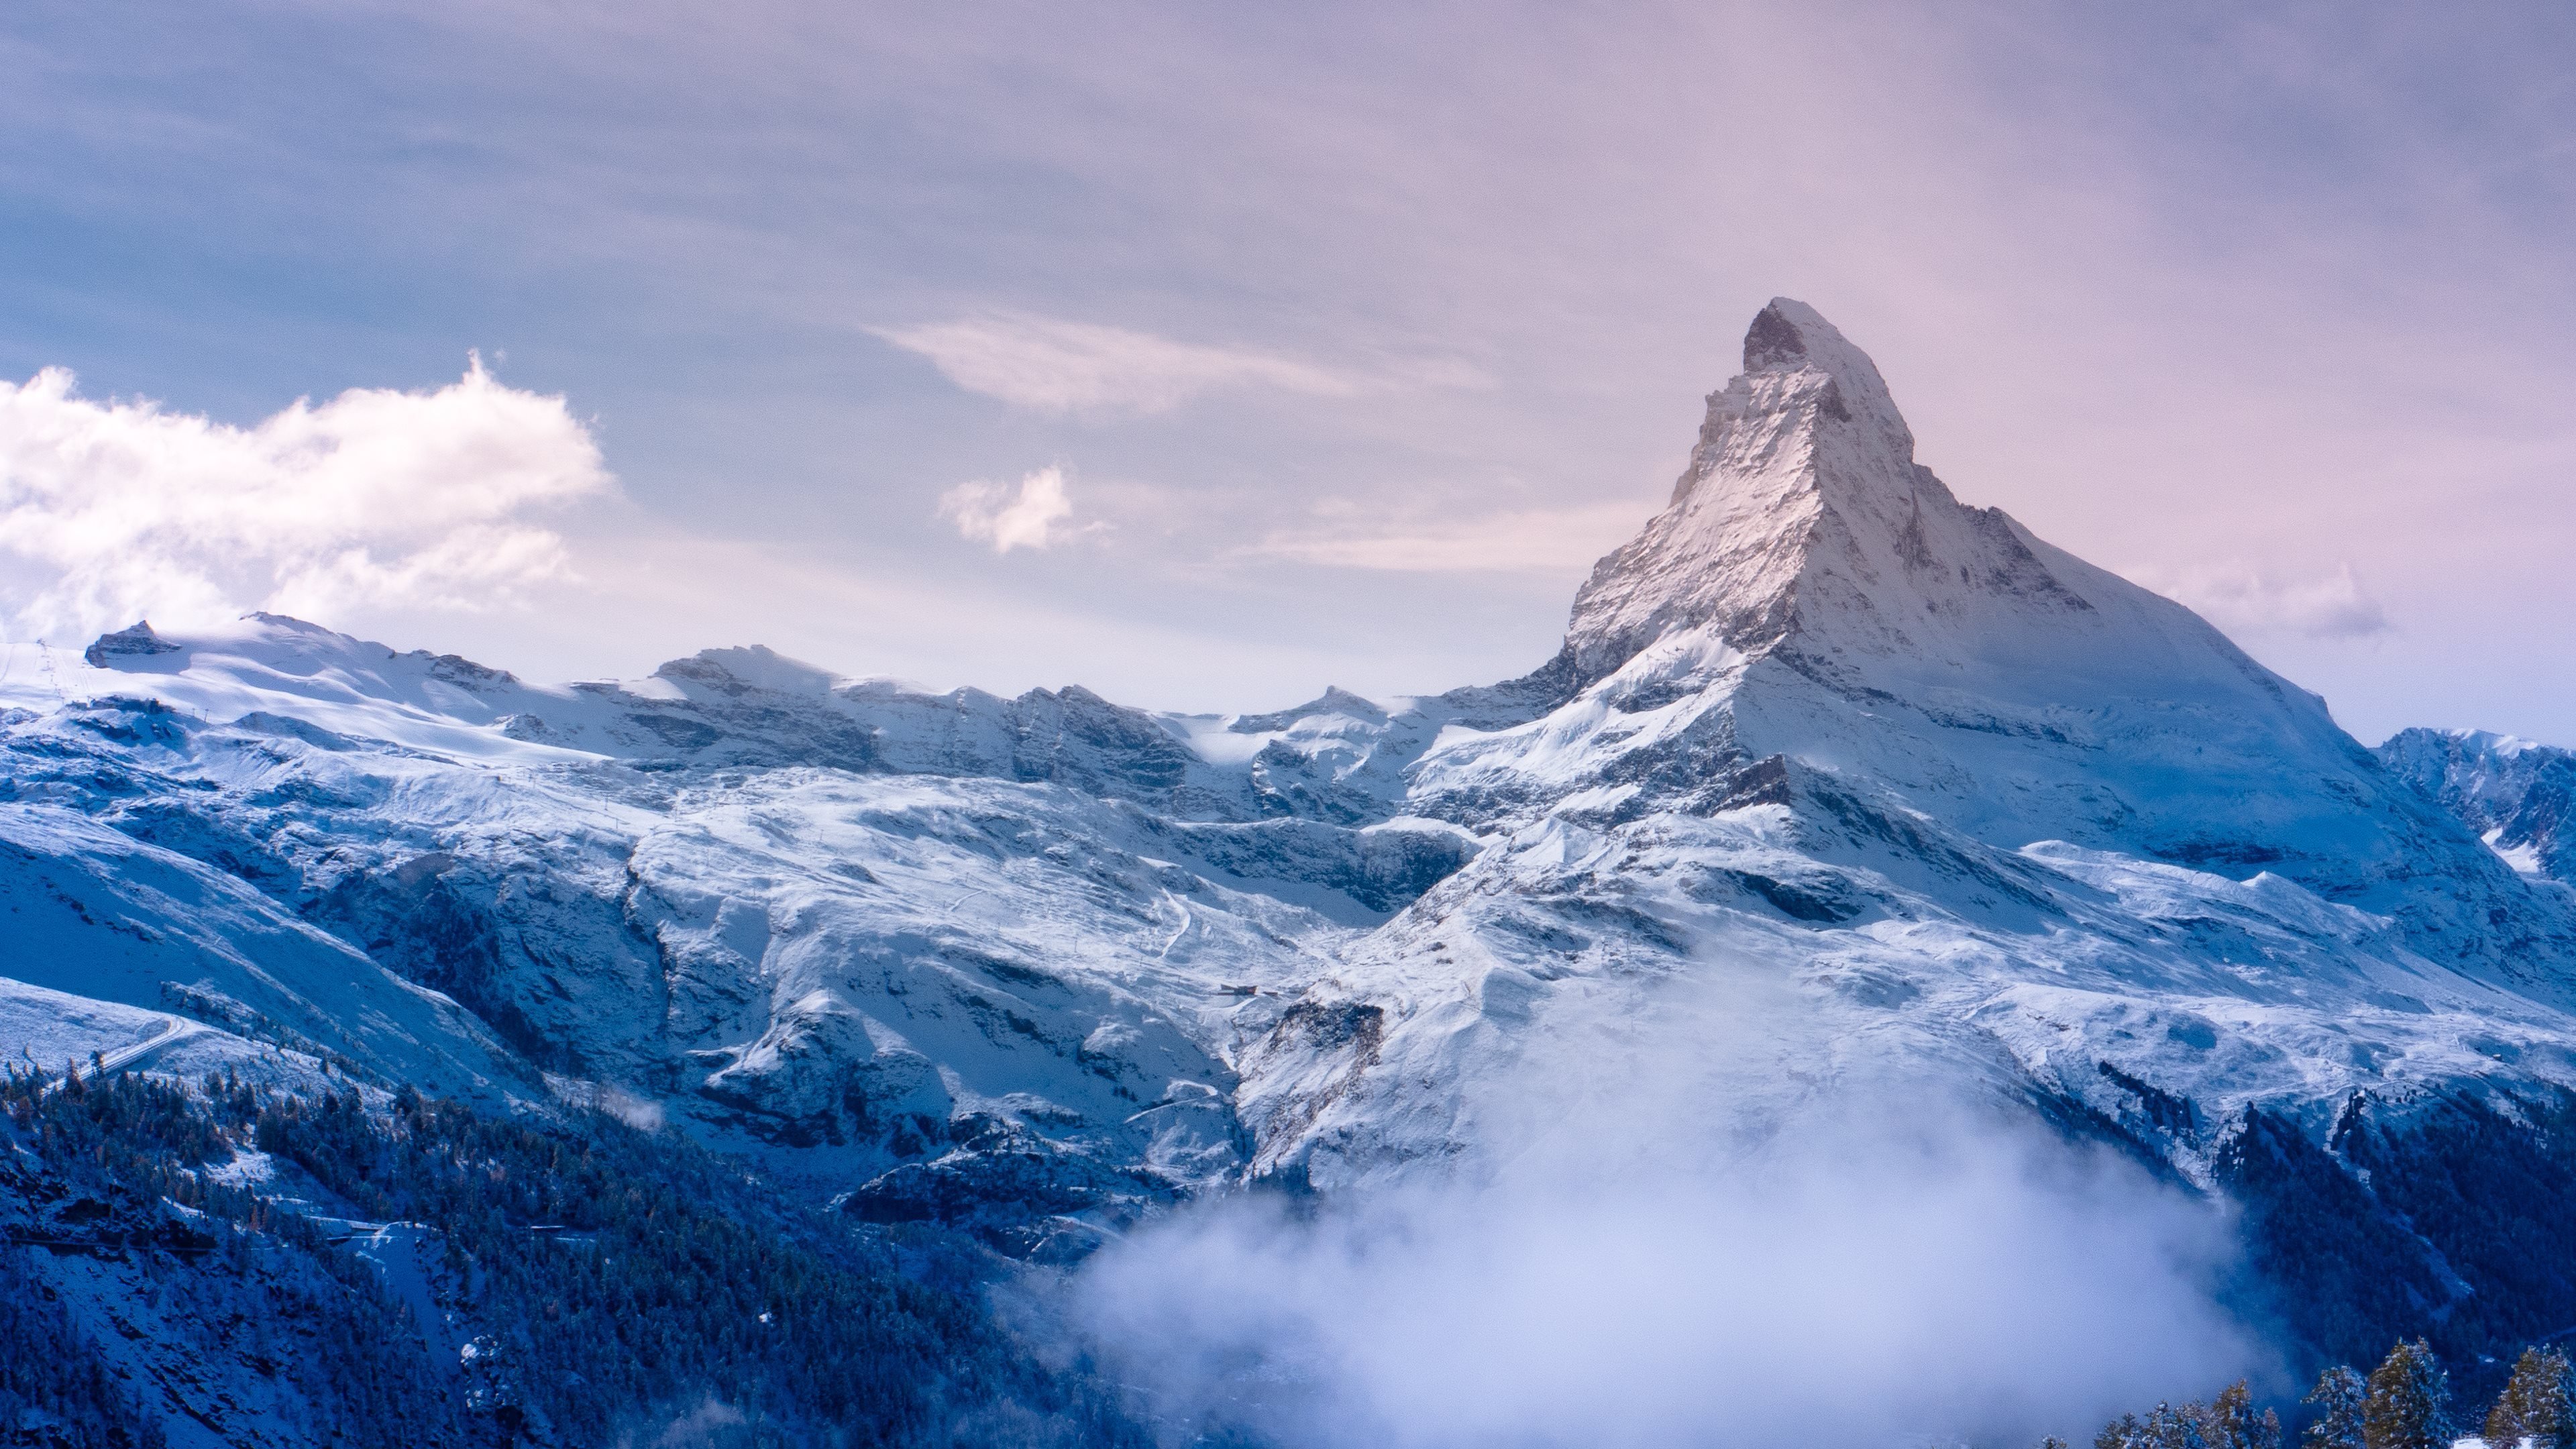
{"type": "Point", "coordinates": [1932, 793]}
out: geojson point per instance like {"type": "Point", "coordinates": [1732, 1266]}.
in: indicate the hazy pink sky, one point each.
{"type": "Point", "coordinates": [1207, 356]}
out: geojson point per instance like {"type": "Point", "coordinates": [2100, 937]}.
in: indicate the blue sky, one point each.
{"type": "Point", "coordinates": [1351, 333]}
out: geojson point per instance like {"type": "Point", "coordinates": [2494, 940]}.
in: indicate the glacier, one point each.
{"type": "Point", "coordinates": [1933, 790]}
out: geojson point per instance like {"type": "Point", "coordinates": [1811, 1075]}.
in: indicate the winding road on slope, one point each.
{"type": "Point", "coordinates": [174, 1029]}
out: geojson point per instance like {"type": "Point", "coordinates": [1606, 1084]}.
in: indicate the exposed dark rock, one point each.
{"type": "Point", "coordinates": [135, 641]}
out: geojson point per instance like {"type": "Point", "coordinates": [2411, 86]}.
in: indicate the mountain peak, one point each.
{"type": "Point", "coordinates": [1800, 449]}
{"type": "Point", "coordinates": [1803, 521]}
{"type": "Point", "coordinates": [1788, 336]}
{"type": "Point", "coordinates": [1773, 341]}
{"type": "Point", "coordinates": [133, 641]}
{"type": "Point", "coordinates": [1793, 343]}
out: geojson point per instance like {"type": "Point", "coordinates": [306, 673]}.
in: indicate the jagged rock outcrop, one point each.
{"type": "Point", "coordinates": [136, 641]}
{"type": "Point", "coordinates": [2519, 796]}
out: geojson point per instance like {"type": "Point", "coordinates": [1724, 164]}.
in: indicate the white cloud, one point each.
{"type": "Point", "coordinates": [1030, 517]}
{"type": "Point", "coordinates": [1695, 1216]}
{"type": "Point", "coordinates": [2244, 600]}
{"type": "Point", "coordinates": [1537, 540]}
{"type": "Point", "coordinates": [1052, 366]}
{"type": "Point", "coordinates": [120, 510]}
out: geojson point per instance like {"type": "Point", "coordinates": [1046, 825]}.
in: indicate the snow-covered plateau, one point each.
{"type": "Point", "coordinates": [1930, 790]}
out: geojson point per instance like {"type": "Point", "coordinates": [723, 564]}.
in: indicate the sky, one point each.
{"type": "Point", "coordinates": [1209, 355]}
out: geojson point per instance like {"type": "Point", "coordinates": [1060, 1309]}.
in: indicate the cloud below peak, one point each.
{"type": "Point", "coordinates": [378, 497]}
{"type": "Point", "coordinates": [1047, 365]}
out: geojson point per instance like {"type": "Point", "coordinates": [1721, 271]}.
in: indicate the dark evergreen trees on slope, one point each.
{"type": "Point", "coordinates": [2409, 1401]}
{"type": "Point", "coordinates": [114, 1175]}
{"type": "Point", "coordinates": [2342, 1276]}
{"type": "Point", "coordinates": [671, 1271]}
{"type": "Point", "coordinates": [611, 1281]}
{"type": "Point", "coordinates": [2535, 1405]}
{"type": "Point", "coordinates": [2371, 1236]}
{"type": "Point", "coordinates": [2485, 1190]}
{"type": "Point", "coordinates": [54, 1387]}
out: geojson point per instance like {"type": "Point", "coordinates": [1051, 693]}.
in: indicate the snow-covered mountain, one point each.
{"type": "Point", "coordinates": [2519, 796]}
{"type": "Point", "coordinates": [1954, 782]}
{"type": "Point", "coordinates": [899, 937]}
{"type": "Point", "coordinates": [1945, 793]}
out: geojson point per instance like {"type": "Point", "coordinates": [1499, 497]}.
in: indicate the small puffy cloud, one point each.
{"type": "Point", "coordinates": [2243, 600]}
{"type": "Point", "coordinates": [1032, 516]}
{"type": "Point", "coordinates": [1052, 366]}
{"type": "Point", "coordinates": [1536, 540]}
{"type": "Point", "coordinates": [118, 510]}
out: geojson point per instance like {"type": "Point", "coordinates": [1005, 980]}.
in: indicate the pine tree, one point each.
{"type": "Point", "coordinates": [2183, 1428]}
{"type": "Point", "coordinates": [2124, 1432]}
{"type": "Point", "coordinates": [2535, 1404]}
{"type": "Point", "coordinates": [2233, 1424]}
{"type": "Point", "coordinates": [2409, 1397]}
{"type": "Point", "coordinates": [2340, 1397]}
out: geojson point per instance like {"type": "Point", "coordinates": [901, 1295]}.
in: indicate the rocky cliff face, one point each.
{"type": "Point", "coordinates": [2519, 796]}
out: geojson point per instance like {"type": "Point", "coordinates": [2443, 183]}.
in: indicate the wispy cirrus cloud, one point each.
{"type": "Point", "coordinates": [1048, 365]}
{"type": "Point", "coordinates": [378, 497]}
{"type": "Point", "coordinates": [1531, 540]}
